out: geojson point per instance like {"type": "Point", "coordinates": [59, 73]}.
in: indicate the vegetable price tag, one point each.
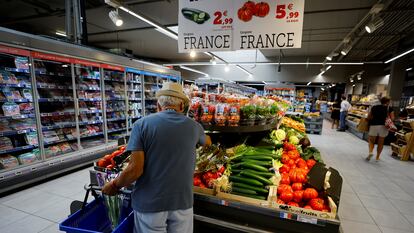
{"type": "Point", "coordinates": [307, 219]}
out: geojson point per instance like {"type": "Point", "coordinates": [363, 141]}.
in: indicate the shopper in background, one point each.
{"type": "Point", "coordinates": [377, 130]}
{"type": "Point", "coordinates": [345, 106]}
{"type": "Point", "coordinates": [162, 164]}
{"type": "Point", "coordinates": [335, 113]}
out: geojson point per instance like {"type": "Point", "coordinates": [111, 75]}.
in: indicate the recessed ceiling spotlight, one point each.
{"type": "Point", "coordinates": [64, 65]}
{"type": "Point", "coordinates": [116, 19]}
{"type": "Point", "coordinates": [409, 69]}
{"type": "Point", "coordinates": [375, 23]}
{"type": "Point", "coordinates": [193, 54]}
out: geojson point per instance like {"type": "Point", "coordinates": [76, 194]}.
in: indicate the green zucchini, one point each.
{"type": "Point", "coordinates": [236, 165]}
{"type": "Point", "coordinates": [256, 177]}
{"type": "Point", "coordinates": [246, 186]}
{"type": "Point", "coordinates": [244, 180]}
{"type": "Point", "coordinates": [261, 163]}
{"type": "Point", "coordinates": [195, 15]}
{"type": "Point", "coordinates": [259, 157]}
{"type": "Point", "coordinates": [254, 167]}
{"type": "Point", "coordinates": [236, 170]}
{"type": "Point", "coordinates": [245, 191]}
{"type": "Point", "coordinates": [264, 174]}
{"type": "Point", "coordinates": [249, 195]}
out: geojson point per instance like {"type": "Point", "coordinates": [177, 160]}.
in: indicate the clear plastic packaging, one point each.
{"type": "Point", "coordinates": [8, 161]}
{"type": "Point", "coordinates": [10, 109]}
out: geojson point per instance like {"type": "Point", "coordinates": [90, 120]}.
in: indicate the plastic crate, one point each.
{"type": "Point", "coordinates": [92, 219]}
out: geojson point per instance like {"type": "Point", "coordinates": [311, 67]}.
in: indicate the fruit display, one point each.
{"type": "Point", "coordinates": [289, 122]}
{"type": "Point", "coordinates": [209, 166]}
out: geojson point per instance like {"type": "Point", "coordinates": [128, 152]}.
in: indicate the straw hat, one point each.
{"type": "Point", "coordinates": [174, 90]}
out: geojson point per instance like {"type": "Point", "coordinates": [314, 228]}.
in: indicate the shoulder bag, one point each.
{"type": "Point", "coordinates": [389, 124]}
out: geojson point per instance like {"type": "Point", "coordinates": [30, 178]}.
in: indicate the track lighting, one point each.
{"type": "Point", "coordinates": [345, 50]}
{"type": "Point", "coordinates": [375, 23]}
{"type": "Point", "coordinates": [309, 83]}
{"type": "Point", "coordinates": [116, 19]}
{"type": "Point", "coordinates": [329, 58]}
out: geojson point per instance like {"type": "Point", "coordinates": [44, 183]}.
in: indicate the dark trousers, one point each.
{"type": "Point", "coordinates": [342, 119]}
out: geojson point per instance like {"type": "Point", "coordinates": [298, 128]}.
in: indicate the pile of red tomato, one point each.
{"type": "Point", "coordinates": [250, 9]}
{"type": "Point", "coordinates": [108, 160]}
{"type": "Point", "coordinates": [206, 179]}
{"type": "Point", "coordinates": [292, 188]}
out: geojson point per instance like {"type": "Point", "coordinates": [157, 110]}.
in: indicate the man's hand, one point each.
{"type": "Point", "coordinates": [110, 189]}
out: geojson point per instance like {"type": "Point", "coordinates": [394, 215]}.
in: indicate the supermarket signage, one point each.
{"type": "Point", "coordinates": [85, 63]}
{"type": "Point", "coordinates": [111, 67]}
{"type": "Point", "coordinates": [15, 51]}
{"type": "Point", "coordinates": [51, 57]}
{"type": "Point", "coordinates": [217, 25]}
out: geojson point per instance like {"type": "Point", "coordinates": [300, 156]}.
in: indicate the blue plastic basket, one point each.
{"type": "Point", "coordinates": [92, 219]}
{"type": "Point", "coordinates": [126, 226]}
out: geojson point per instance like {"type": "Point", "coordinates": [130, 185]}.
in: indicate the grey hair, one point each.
{"type": "Point", "coordinates": [169, 101]}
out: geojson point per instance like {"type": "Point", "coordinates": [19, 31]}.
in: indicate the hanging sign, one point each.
{"type": "Point", "coordinates": [223, 25]}
{"type": "Point", "coordinates": [111, 67]}
{"type": "Point", "coordinates": [51, 57]}
{"type": "Point", "coordinates": [205, 25]}
{"type": "Point", "coordinates": [15, 51]}
{"type": "Point", "coordinates": [85, 62]}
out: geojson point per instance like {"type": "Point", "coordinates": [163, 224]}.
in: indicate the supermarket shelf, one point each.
{"type": "Point", "coordinates": [115, 99]}
{"type": "Point", "coordinates": [22, 116]}
{"type": "Point", "coordinates": [90, 123]}
{"type": "Point", "coordinates": [132, 90]}
{"type": "Point", "coordinates": [135, 99]}
{"type": "Point", "coordinates": [151, 98]}
{"type": "Point", "coordinates": [57, 114]}
{"type": "Point", "coordinates": [136, 82]}
{"type": "Point", "coordinates": [116, 119]}
{"type": "Point", "coordinates": [20, 85]}
{"type": "Point", "coordinates": [114, 80]}
{"type": "Point", "coordinates": [135, 117]}
{"type": "Point", "coordinates": [53, 74]}
{"type": "Point", "coordinates": [90, 111]}
{"type": "Point", "coordinates": [116, 110]}
{"type": "Point", "coordinates": [90, 99]}
{"type": "Point", "coordinates": [88, 77]}
{"type": "Point", "coordinates": [16, 100]}
{"type": "Point", "coordinates": [91, 135]}
{"type": "Point", "coordinates": [16, 149]}
{"type": "Point", "coordinates": [59, 141]}
{"type": "Point", "coordinates": [88, 88]}
{"type": "Point", "coordinates": [55, 99]}
{"type": "Point", "coordinates": [60, 126]}
{"type": "Point", "coordinates": [44, 86]}
{"type": "Point", "coordinates": [116, 130]}
{"type": "Point", "coordinates": [360, 116]}
{"type": "Point", "coordinates": [238, 129]}
{"type": "Point", "coordinates": [16, 132]}
{"type": "Point", "coordinates": [27, 71]}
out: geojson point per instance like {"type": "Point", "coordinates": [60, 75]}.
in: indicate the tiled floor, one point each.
{"type": "Point", "coordinates": [377, 197]}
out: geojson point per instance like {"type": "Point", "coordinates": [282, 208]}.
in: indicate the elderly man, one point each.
{"type": "Point", "coordinates": [162, 164]}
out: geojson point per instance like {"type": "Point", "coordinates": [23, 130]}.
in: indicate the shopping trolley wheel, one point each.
{"type": "Point", "coordinates": [75, 206]}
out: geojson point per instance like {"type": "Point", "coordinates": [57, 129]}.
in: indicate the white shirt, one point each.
{"type": "Point", "coordinates": [345, 106]}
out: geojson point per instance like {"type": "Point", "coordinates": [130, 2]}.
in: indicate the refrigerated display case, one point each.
{"type": "Point", "coordinates": [18, 131]}
{"type": "Point", "coordinates": [115, 102]}
{"type": "Point", "coordinates": [134, 96]}
{"type": "Point", "coordinates": [151, 86]}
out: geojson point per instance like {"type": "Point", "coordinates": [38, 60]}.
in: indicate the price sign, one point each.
{"type": "Point", "coordinates": [205, 25]}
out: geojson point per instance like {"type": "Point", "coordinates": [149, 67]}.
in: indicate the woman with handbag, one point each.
{"type": "Point", "coordinates": [380, 117]}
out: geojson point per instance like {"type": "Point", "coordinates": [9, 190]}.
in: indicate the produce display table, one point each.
{"type": "Point", "coordinates": [212, 214]}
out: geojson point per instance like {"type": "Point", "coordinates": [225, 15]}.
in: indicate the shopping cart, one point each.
{"type": "Point", "coordinates": [93, 217]}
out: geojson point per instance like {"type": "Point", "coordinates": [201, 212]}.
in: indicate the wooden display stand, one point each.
{"type": "Point", "coordinates": [405, 143]}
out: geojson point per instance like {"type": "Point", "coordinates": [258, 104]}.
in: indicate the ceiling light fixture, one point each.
{"type": "Point", "coordinates": [329, 58]}
{"type": "Point", "coordinates": [64, 65]}
{"type": "Point", "coordinates": [374, 24]}
{"type": "Point", "coordinates": [409, 69]}
{"type": "Point", "coordinates": [352, 80]}
{"type": "Point", "coordinates": [193, 54]}
{"type": "Point", "coordinates": [345, 50]}
{"type": "Point", "coordinates": [359, 77]}
{"type": "Point", "coordinates": [193, 70]}
{"type": "Point", "coordinates": [400, 55]}
{"type": "Point", "coordinates": [323, 84]}
{"type": "Point", "coordinates": [353, 85]}
{"type": "Point", "coordinates": [322, 88]}
{"type": "Point", "coordinates": [60, 33]}
{"type": "Point", "coordinates": [158, 27]}
{"type": "Point", "coordinates": [271, 63]}
{"type": "Point", "coordinates": [309, 83]}
{"type": "Point", "coordinates": [227, 68]}
{"type": "Point", "coordinates": [116, 19]}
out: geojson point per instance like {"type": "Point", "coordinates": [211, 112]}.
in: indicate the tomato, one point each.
{"type": "Point", "coordinates": [317, 203]}
{"type": "Point", "coordinates": [291, 162]}
{"type": "Point", "coordinates": [280, 202]}
{"type": "Point", "coordinates": [122, 148]}
{"type": "Point", "coordinates": [285, 179]}
{"type": "Point", "coordinates": [310, 193]}
{"type": "Point", "coordinates": [116, 153]}
{"type": "Point", "coordinates": [202, 185]}
{"type": "Point", "coordinates": [285, 158]}
{"type": "Point", "coordinates": [101, 163]}
{"type": "Point", "coordinates": [286, 196]}
{"type": "Point", "coordinates": [311, 163]}
{"type": "Point", "coordinates": [293, 204]}
{"type": "Point", "coordinates": [297, 186]}
{"type": "Point", "coordinates": [301, 163]}
{"type": "Point", "coordinates": [110, 167]}
{"type": "Point", "coordinates": [288, 146]}
{"type": "Point", "coordinates": [261, 9]}
{"type": "Point", "coordinates": [245, 14]}
{"type": "Point", "coordinates": [284, 169]}
{"type": "Point", "coordinates": [293, 154]}
{"type": "Point", "coordinates": [196, 181]}
{"type": "Point", "coordinates": [298, 175]}
{"type": "Point", "coordinates": [249, 5]}
{"type": "Point", "coordinates": [326, 207]}
{"type": "Point", "coordinates": [107, 157]}
{"type": "Point", "coordinates": [284, 187]}
{"type": "Point", "coordinates": [297, 196]}
{"type": "Point", "coordinates": [222, 169]}
{"type": "Point", "coordinates": [307, 207]}
{"type": "Point", "coordinates": [215, 175]}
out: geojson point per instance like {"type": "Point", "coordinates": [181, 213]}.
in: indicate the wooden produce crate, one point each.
{"type": "Point", "coordinates": [206, 191]}
{"type": "Point", "coordinates": [243, 199]}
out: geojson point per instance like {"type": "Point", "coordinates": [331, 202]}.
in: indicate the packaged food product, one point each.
{"type": "Point", "coordinates": [26, 107]}
{"type": "Point", "coordinates": [8, 78]}
{"type": "Point", "coordinates": [221, 113]}
{"type": "Point", "coordinates": [65, 147]}
{"type": "Point", "coordinates": [10, 109]}
{"type": "Point", "coordinates": [234, 115]}
{"type": "Point", "coordinates": [8, 161]}
{"type": "Point", "coordinates": [21, 63]}
{"type": "Point", "coordinates": [27, 94]}
{"type": "Point", "coordinates": [27, 158]}
{"type": "Point", "coordinates": [208, 113]}
{"type": "Point", "coordinates": [5, 143]}
{"type": "Point", "coordinates": [31, 138]}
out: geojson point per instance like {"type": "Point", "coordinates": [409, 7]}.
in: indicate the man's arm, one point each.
{"type": "Point", "coordinates": [131, 173]}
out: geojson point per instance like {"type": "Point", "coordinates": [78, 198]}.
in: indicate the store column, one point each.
{"type": "Point", "coordinates": [396, 82]}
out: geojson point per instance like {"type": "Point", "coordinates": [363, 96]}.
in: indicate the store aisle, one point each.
{"type": "Point", "coordinates": [377, 197]}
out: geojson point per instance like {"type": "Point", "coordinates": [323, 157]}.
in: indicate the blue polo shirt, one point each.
{"type": "Point", "coordinates": [168, 140]}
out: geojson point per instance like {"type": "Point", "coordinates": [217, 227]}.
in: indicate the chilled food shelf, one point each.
{"type": "Point", "coordinates": [116, 99]}
{"type": "Point", "coordinates": [90, 122]}
{"type": "Point", "coordinates": [135, 99]}
{"type": "Point", "coordinates": [20, 85]}
{"type": "Point", "coordinates": [114, 80]}
{"type": "Point", "coordinates": [88, 77]}
{"type": "Point", "coordinates": [59, 141]}
{"type": "Point", "coordinates": [59, 126]}
{"type": "Point", "coordinates": [17, 70]}
{"type": "Point", "coordinates": [116, 119]}
{"type": "Point", "coordinates": [89, 88]}
{"type": "Point", "coordinates": [46, 86]}
{"type": "Point", "coordinates": [17, 149]}
{"type": "Point", "coordinates": [16, 132]}
{"type": "Point", "coordinates": [90, 99]}
{"type": "Point", "coordinates": [92, 135]}
{"type": "Point", "coordinates": [57, 114]}
{"type": "Point", "coordinates": [116, 130]}
{"type": "Point", "coordinates": [90, 111]}
{"type": "Point", "coordinates": [16, 100]}
{"type": "Point", "coordinates": [21, 116]}
{"type": "Point", "coordinates": [55, 99]}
